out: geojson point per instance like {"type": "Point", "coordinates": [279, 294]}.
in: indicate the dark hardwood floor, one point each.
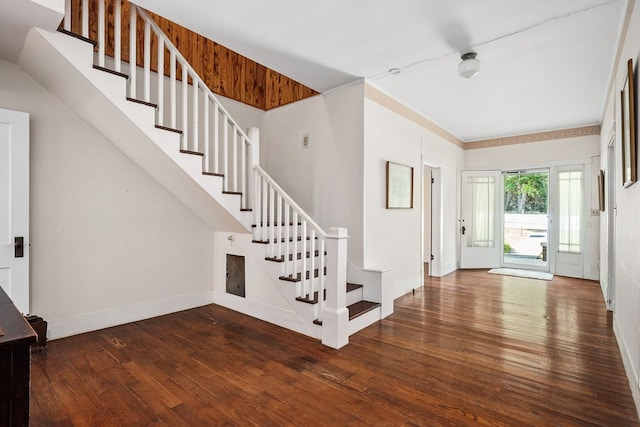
{"type": "Point", "coordinates": [468, 349]}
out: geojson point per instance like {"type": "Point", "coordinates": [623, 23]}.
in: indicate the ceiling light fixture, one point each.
{"type": "Point", "coordinates": [470, 66]}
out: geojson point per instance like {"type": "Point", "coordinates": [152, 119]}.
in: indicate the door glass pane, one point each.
{"type": "Point", "coordinates": [481, 202]}
{"type": "Point", "coordinates": [569, 211]}
{"type": "Point", "coordinates": [525, 219]}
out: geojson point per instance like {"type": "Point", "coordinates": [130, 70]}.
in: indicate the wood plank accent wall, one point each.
{"type": "Point", "coordinates": [226, 72]}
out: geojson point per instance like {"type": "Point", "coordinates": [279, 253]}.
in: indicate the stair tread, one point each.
{"type": "Point", "coordinates": [195, 153]}
{"type": "Point", "coordinates": [298, 277]}
{"type": "Point", "coordinates": [361, 307]}
{"type": "Point", "coordinates": [311, 301]}
{"type": "Point", "coordinates": [168, 128]}
{"type": "Point", "coordinates": [357, 309]}
{"type": "Point", "coordinates": [140, 101]}
{"type": "Point", "coordinates": [110, 71]}
{"type": "Point", "coordinates": [353, 287]}
{"type": "Point", "coordinates": [315, 297]}
{"type": "Point", "coordinates": [78, 36]}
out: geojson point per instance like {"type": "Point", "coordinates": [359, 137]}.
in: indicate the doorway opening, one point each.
{"type": "Point", "coordinates": [526, 219]}
{"type": "Point", "coordinates": [432, 221]}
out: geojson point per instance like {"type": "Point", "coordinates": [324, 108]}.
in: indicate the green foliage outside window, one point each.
{"type": "Point", "coordinates": [526, 193]}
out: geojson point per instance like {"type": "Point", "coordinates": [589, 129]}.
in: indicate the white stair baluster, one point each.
{"type": "Point", "coordinates": [160, 81]}
{"type": "Point", "coordinates": [294, 245]}
{"type": "Point", "coordinates": [225, 151]}
{"type": "Point", "coordinates": [272, 221]}
{"type": "Point", "coordinates": [216, 138]}
{"type": "Point", "coordinates": [257, 208]}
{"type": "Point", "coordinates": [234, 159]}
{"type": "Point", "coordinates": [117, 29]}
{"type": "Point", "coordinates": [185, 106]}
{"type": "Point", "coordinates": [312, 262]}
{"type": "Point", "coordinates": [101, 33]}
{"type": "Point", "coordinates": [172, 88]}
{"type": "Point", "coordinates": [243, 171]}
{"type": "Point", "coordinates": [147, 62]}
{"type": "Point", "coordinates": [303, 269]}
{"type": "Point", "coordinates": [278, 223]}
{"type": "Point", "coordinates": [194, 116]}
{"type": "Point", "coordinates": [206, 130]}
{"type": "Point", "coordinates": [85, 18]}
{"type": "Point", "coordinates": [67, 15]}
{"type": "Point", "coordinates": [133, 91]}
{"type": "Point", "coordinates": [265, 206]}
{"type": "Point", "coordinates": [287, 243]}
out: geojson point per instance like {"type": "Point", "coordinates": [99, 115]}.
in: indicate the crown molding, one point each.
{"type": "Point", "coordinates": [534, 137]}
{"type": "Point", "coordinates": [387, 101]}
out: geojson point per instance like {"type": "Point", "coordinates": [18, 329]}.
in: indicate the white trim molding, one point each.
{"type": "Point", "coordinates": [87, 322]}
{"type": "Point", "coordinates": [534, 137]}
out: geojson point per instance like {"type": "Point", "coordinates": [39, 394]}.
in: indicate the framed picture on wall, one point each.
{"type": "Point", "coordinates": [601, 190]}
{"type": "Point", "coordinates": [628, 119]}
{"type": "Point", "coordinates": [399, 186]}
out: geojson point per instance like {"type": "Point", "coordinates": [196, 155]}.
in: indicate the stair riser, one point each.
{"type": "Point", "coordinates": [354, 296]}
{"type": "Point", "coordinates": [364, 320]}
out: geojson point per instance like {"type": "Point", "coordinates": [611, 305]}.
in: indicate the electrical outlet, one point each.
{"type": "Point", "coordinates": [595, 212]}
{"type": "Point", "coordinates": [305, 141]}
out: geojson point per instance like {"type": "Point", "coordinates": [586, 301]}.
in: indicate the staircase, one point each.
{"type": "Point", "coordinates": [182, 136]}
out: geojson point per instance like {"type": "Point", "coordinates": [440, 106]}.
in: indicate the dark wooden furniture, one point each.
{"type": "Point", "coordinates": [16, 337]}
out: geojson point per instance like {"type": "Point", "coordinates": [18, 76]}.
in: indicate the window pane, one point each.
{"type": "Point", "coordinates": [569, 211]}
{"type": "Point", "coordinates": [481, 200]}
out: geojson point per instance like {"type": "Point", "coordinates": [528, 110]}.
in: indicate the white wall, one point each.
{"type": "Point", "coordinates": [627, 234]}
{"type": "Point", "coordinates": [108, 244]}
{"type": "Point", "coordinates": [393, 237]}
{"type": "Point", "coordinates": [340, 179]}
{"type": "Point", "coordinates": [325, 179]}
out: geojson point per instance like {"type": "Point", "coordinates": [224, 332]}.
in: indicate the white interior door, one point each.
{"type": "Point", "coordinates": [610, 210]}
{"type": "Point", "coordinates": [480, 225]}
{"type": "Point", "coordinates": [570, 221]}
{"type": "Point", "coordinates": [14, 207]}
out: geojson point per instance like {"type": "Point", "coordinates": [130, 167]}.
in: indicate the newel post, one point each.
{"type": "Point", "coordinates": [253, 159]}
{"type": "Point", "coordinates": [335, 317]}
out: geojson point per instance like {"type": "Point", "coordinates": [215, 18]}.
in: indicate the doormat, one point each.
{"type": "Point", "coordinates": [522, 273]}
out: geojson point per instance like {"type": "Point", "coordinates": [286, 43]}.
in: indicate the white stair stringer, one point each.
{"type": "Point", "coordinates": [100, 99]}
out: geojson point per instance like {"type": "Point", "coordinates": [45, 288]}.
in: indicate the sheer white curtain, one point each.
{"type": "Point", "coordinates": [569, 211]}
{"type": "Point", "coordinates": [481, 200]}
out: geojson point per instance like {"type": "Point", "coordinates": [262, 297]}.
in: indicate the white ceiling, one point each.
{"type": "Point", "coordinates": [546, 64]}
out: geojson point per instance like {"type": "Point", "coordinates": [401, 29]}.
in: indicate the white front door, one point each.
{"type": "Point", "coordinates": [14, 207]}
{"type": "Point", "coordinates": [480, 229]}
{"type": "Point", "coordinates": [570, 221]}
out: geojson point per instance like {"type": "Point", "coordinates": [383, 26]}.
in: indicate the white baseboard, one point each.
{"type": "Point", "coordinates": [87, 322]}
{"type": "Point", "coordinates": [632, 375]}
